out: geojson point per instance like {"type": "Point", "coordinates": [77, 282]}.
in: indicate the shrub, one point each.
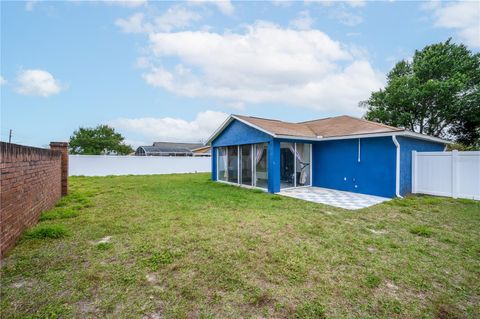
{"type": "Point", "coordinates": [48, 231]}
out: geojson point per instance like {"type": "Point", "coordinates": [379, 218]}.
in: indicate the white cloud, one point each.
{"type": "Point", "coordinates": [265, 64]}
{"type": "Point", "coordinates": [225, 6]}
{"type": "Point", "coordinates": [303, 21]}
{"type": "Point", "coordinates": [463, 16]}
{"type": "Point", "coordinates": [135, 143]}
{"type": "Point", "coordinates": [347, 18]}
{"type": "Point", "coordinates": [29, 5]}
{"type": "Point", "coordinates": [174, 18]}
{"type": "Point", "coordinates": [127, 3]}
{"type": "Point", "coordinates": [3, 81]}
{"type": "Point", "coordinates": [173, 129]}
{"type": "Point", "coordinates": [356, 3]}
{"type": "Point", "coordinates": [351, 3]}
{"type": "Point", "coordinates": [37, 82]}
{"type": "Point", "coordinates": [134, 24]}
{"type": "Point", "coordinates": [281, 3]}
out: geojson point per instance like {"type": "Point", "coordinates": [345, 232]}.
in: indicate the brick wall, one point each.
{"type": "Point", "coordinates": [30, 183]}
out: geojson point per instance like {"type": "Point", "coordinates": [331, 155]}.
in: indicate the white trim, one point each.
{"type": "Point", "coordinates": [242, 185]}
{"type": "Point", "coordinates": [359, 157]}
{"type": "Point", "coordinates": [295, 165]}
{"type": "Point", "coordinates": [311, 164]}
{"type": "Point", "coordinates": [397, 167]}
{"type": "Point", "coordinates": [253, 125]}
{"type": "Point", "coordinates": [238, 164]}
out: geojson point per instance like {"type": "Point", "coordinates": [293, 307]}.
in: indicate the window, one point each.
{"type": "Point", "coordinates": [287, 165]}
{"type": "Point", "coordinates": [222, 164]}
{"type": "Point", "coordinates": [244, 164]}
{"type": "Point", "coordinates": [303, 164]}
{"type": "Point", "coordinates": [233, 164]}
{"type": "Point", "coordinates": [246, 167]}
{"type": "Point", "coordinates": [261, 165]}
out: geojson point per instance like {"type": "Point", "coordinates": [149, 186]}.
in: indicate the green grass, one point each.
{"type": "Point", "coordinates": [45, 232]}
{"type": "Point", "coordinates": [181, 246]}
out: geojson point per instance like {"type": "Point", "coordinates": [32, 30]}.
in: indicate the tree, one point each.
{"type": "Point", "coordinates": [96, 141]}
{"type": "Point", "coordinates": [437, 93]}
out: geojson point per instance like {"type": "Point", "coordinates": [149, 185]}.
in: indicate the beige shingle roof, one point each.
{"type": "Point", "coordinates": [328, 127]}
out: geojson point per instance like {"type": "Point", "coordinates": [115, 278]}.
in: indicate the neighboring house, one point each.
{"type": "Point", "coordinates": [343, 153]}
{"type": "Point", "coordinates": [174, 149]}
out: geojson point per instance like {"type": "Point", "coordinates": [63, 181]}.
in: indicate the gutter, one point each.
{"type": "Point", "coordinates": [397, 167]}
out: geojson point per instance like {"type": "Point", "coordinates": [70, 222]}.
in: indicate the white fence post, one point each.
{"type": "Point", "coordinates": [454, 173]}
{"type": "Point", "coordinates": [414, 172]}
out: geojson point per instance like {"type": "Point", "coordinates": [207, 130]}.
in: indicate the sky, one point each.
{"type": "Point", "coordinates": [173, 71]}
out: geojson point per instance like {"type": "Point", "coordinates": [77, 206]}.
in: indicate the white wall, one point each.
{"type": "Point", "coordinates": [100, 165]}
{"type": "Point", "coordinates": [454, 174]}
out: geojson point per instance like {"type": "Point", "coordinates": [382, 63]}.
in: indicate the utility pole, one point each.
{"type": "Point", "coordinates": [10, 136]}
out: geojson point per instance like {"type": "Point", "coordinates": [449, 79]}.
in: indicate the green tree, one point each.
{"type": "Point", "coordinates": [437, 93]}
{"type": "Point", "coordinates": [99, 140]}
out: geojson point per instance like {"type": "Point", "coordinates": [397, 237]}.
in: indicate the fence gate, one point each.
{"type": "Point", "coordinates": [453, 174]}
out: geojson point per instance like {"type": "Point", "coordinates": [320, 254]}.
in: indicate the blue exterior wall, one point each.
{"type": "Point", "coordinates": [237, 133]}
{"type": "Point", "coordinates": [335, 161]}
{"type": "Point", "coordinates": [407, 145]}
{"type": "Point", "coordinates": [274, 166]}
{"type": "Point", "coordinates": [214, 163]}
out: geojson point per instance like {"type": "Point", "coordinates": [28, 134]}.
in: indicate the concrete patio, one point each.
{"type": "Point", "coordinates": [346, 200]}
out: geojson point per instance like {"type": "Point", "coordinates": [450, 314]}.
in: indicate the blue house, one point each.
{"type": "Point", "coordinates": [342, 153]}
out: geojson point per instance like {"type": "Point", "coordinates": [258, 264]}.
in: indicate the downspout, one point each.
{"type": "Point", "coordinates": [397, 167]}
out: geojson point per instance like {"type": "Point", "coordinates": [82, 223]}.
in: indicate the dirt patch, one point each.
{"type": "Point", "coordinates": [377, 232]}
{"type": "Point", "coordinates": [104, 240]}
{"type": "Point", "coordinates": [151, 278]}
{"type": "Point", "coordinates": [86, 307]}
{"type": "Point", "coordinates": [22, 283]}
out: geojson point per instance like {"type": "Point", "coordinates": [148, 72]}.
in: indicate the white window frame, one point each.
{"type": "Point", "coordinates": [254, 169]}
{"type": "Point", "coordinates": [295, 167]}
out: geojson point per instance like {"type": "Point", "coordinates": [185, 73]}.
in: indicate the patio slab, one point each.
{"type": "Point", "coordinates": [342, 199]}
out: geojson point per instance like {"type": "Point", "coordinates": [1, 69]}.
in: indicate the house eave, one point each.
{"type": "Point", "coordinates": [332, 138]}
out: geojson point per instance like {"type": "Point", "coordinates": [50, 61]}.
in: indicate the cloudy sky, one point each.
{"type": "Point", "coordinates": [174, 70]}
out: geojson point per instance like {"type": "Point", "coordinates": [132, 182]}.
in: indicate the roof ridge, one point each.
{"type": "Point", "coordinates": [356, 118]}
{"type": "Point", "coordinates": [373, 122]}
{"type": "Point", "coordinates": [261, 118]}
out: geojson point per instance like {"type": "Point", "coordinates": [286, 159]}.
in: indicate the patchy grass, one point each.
{"type": "Point", "coordinates": [46, 231]}
{"type": "Point", "coordinates": [59, 213]}
{"type": "Point", "coordinates": [422, 230]}
{"type": "Point", "coordinates": [181, 246]}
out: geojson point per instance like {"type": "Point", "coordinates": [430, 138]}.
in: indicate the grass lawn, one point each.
{"type": "Point", "coordinates": [181, 246]}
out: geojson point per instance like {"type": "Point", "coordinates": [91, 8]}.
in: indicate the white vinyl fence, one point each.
{"type": "Point", "coordinates": [101, 165]}
{"type": "Point", "coordinates": [453, 174]}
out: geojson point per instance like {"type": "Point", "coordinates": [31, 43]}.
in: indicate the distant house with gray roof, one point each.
{"type": "Point", "coordinates": [174, 149]}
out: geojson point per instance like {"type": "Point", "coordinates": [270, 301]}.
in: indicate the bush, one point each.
{"type": "Point", "coordinates": [43, 232]}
